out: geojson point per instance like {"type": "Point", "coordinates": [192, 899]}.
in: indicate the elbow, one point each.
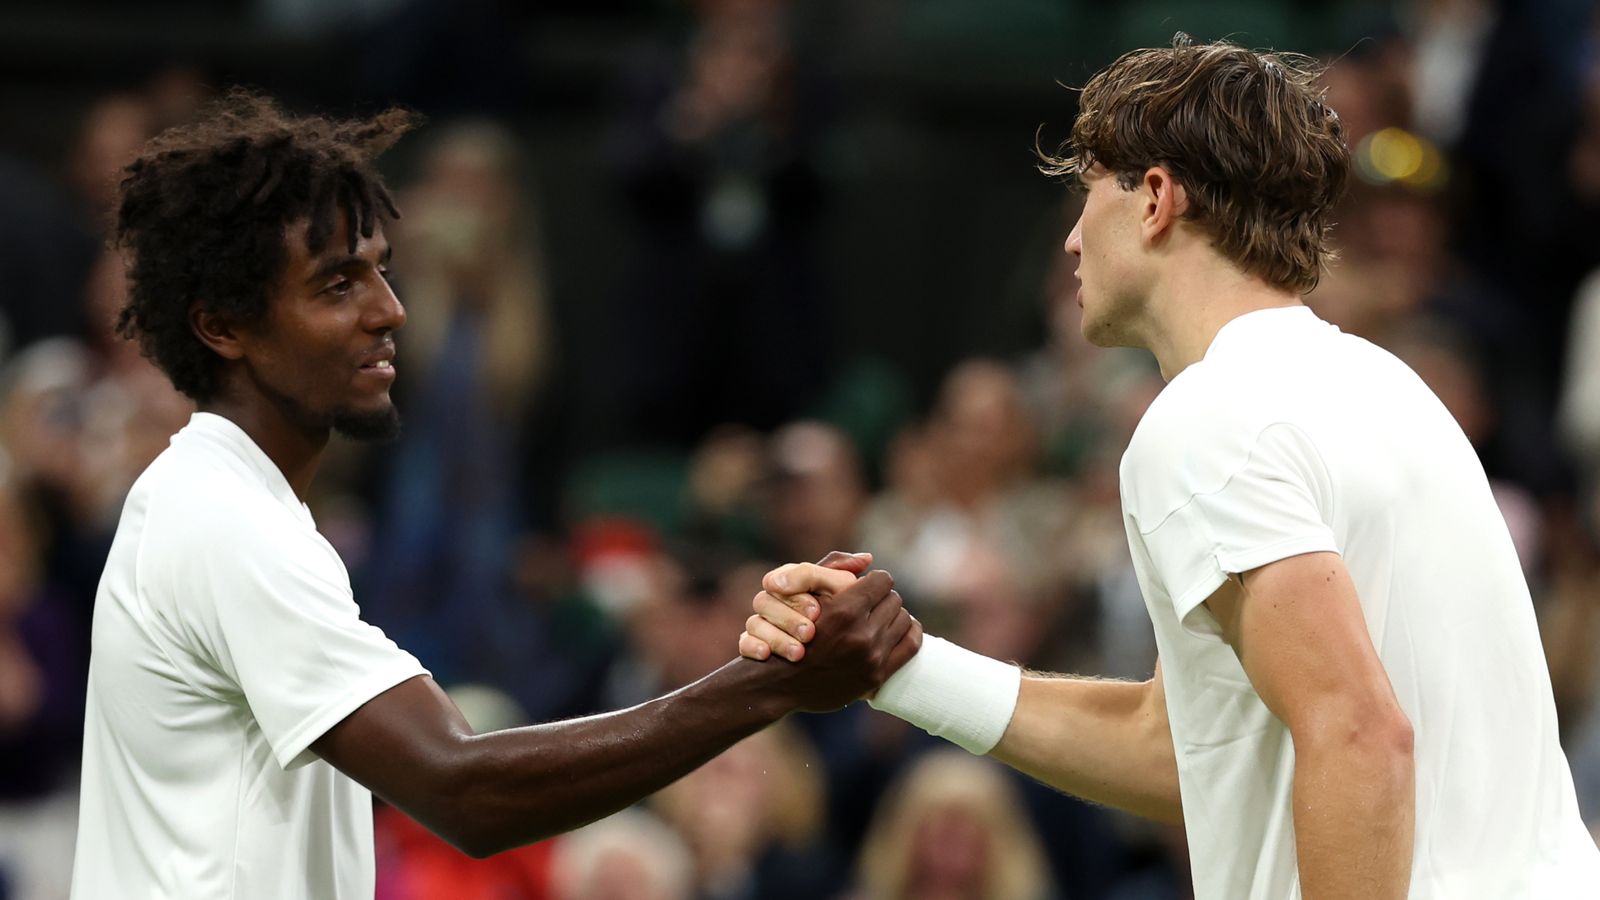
{"type": "Point", "coordinates": [1387, 734]}
{"type": "Point", "coordinates": [1401, 738]}
{"type": "Point", "coordinates": [480, 839]}
{"type": "Point", "coordinates": [477, 846]}
{"type": "Point", "coordinates": [455, 811]}
{"type": "Point", "coordinates": [1381, 734]}
{"type": "Point", "coordinates": [1389, 746]}
{"type": "Point", "coordinates": [470, 832]}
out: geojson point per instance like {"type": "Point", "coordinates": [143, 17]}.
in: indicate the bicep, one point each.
{"type": "Point", "coordinates": [1301, 636]}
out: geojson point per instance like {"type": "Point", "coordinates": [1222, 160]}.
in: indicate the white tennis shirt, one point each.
{"type": "Point", "coordinates": [226, 640]}
{"type": "Point", "coordinates": [1291, 437]}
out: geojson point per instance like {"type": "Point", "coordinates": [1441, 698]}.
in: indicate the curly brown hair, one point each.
{"type": "Point", "coordinates": [204, 210]}
{"type": "Point", "coordinates": [1248, 133]}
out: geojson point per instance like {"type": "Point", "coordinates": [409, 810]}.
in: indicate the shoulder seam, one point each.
{"type": "Point", "coordinates": [1255, 443]}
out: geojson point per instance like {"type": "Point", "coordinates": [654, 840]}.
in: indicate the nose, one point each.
{"type": "Point", "coordinates": [386, 312]}
{"type": "Point", "coordinates": [1075, 239]}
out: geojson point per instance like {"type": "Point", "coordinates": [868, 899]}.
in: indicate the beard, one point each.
{"type": "Point", "coordinates": [378, 427]}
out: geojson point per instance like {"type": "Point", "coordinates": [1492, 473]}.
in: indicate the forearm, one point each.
{"type": "Point", "coordinates": [1354, 817]}
{"type": "Point", "coordinates": [521, 785]}
{"type": "Point", "coordinates": [1105, 741]}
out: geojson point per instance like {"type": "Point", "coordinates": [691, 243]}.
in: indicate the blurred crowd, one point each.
{"type": "Point", "coordinates": [538, 581]}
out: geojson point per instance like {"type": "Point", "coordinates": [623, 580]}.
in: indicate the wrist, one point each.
{"type": "Point", "coordinates": [758, 689]}
{"type": "Point", "coordinates": [953, 693]}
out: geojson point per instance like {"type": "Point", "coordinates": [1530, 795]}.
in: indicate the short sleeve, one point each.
{"type": "Point", "coordinates": [1271, 507]}
{"type": "Point", "coordinates": [287, 630]}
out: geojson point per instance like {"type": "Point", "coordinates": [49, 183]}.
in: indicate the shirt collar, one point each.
{"type": "Point", "coordinates": [1240, 329]}
{"type": "Point", "coordinates": [222, 433]}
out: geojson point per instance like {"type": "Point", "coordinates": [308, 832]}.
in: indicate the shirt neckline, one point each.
{"type": "Point", "coordinates": [1240, 326]}
{"type": "Point", "coordinates": [225, 433]}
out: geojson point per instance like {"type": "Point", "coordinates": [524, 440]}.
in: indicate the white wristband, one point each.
{"type": "Point", "coordinates": [951, 692]}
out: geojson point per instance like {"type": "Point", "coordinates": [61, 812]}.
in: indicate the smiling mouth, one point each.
{"type": "Point", "coordinates": [382, 371]}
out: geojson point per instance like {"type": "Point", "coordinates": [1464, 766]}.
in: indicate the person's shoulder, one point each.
{"type": "Point", "coordinates": [198, 501]}
{"type": "Point", "coordinates": [1203, 404]}
{"type": "Point", "coordinates": [1196, 434]}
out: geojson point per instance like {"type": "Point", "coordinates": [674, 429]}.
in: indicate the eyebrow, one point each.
{"type": "Point", "coordinates": [345, 261]}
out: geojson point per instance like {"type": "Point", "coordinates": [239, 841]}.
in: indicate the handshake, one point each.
{"type": "Point", "coordinates": [847, 624]}
{"type": "Point", "coordinates": [846, 635]}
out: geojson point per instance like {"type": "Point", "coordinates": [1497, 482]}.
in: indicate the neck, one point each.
{"type": "Point", "coordinates": [293, 448]}
{"type": "Point", "coordinates": [1186, 311]}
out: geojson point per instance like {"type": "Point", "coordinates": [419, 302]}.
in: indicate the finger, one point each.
{"type": "Point", "coordinates": [784, 617]}
{"type": "Point", "coordinates": [778, 642]}
{"type": "Point", "coordinates": [805, 604]}
{"type": "Point", "coordinates": [905, 648]}
{"type": "Point", "coordinates": [884, 613]}
{"type": "Point", "coordinates": [854, 563]}
{"type": "Point", "coordinates": [898, 627]}
{"type": "Point", "coordinates": [752, 647]}
{"type": "Point", "coordinates": [866, 593]}
{"type": "Point", "coordinates": [800, 578]}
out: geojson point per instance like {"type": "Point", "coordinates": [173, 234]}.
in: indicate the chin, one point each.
{"type": "Point", "coordinates": [373, 426]}
{"type": "Point", "coordinates": [1098, 333]}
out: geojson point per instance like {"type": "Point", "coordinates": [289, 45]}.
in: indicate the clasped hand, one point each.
{"type": "Point", "coordinates": [799, 600]}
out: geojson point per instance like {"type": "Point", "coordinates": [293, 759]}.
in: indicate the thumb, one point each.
{"type": "Point", "coordinates": [854, 563]}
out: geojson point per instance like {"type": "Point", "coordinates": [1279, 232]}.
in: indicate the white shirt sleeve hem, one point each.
{"type": "Point", "coordinates": [1188, 604]}
{"type": "Point", "coordinates": [295, 751]}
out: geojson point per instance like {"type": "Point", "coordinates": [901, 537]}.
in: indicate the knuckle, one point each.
{"type": "Point", "coordinates": [772, 579]}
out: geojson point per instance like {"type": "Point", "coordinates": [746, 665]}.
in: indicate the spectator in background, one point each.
{"type": "Point", "coordinates": [113, 130]}
{"type": "Point", "coordinates": [724, 480]}
{"type": "Point", "coordinates": [43, 657]}
{"type": "Point", "coordinates": [477, 343]}
{"type": "Point", "coordinates": [81, 421]}
{"type": "Point", "coordinates": [50, 238]}
{"type": "Point", "coordinates": [689, 597]}
{"type": "Point", "coordinates": [966, 478]}
{"type": "Point", "coordinates": [44, 252]}
{"type": "Point", "coordinates": [753, 819]}
{"type": "Point", "coordinates": [815, 492]}
{"type": "Point", "coordinates": [631, 855]}
{"type": "Point", "coordinates": [77, 425]}
{"type": "Point", "coordinates": [716, 153]}
{"type": "Point", "coordinates": [1572, 615]}
{"type": "Point", "coordinates": [1444, 360]}
{"type": "Point", "coordinates": [952, 829]}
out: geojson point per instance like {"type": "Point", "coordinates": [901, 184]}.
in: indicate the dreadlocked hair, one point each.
{"type": "Point", "coordinates": [204, 211]}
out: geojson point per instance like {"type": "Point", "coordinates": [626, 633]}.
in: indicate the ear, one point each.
{"type": "Point", "coordinates": [215, 332]}
{"type": "Point", "coordinates": [1164, 202]}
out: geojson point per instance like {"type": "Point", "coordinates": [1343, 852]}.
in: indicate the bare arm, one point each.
{"type": "Point", "coordinates": [1105, 741]}
{"type": "Point", "coordinates": [1299, 631]}
{"type": "Point", "coordinates": [489, 792]}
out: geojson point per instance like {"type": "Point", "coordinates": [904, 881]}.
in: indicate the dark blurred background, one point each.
{"type": "Point", "coordinates": [698, 288]}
